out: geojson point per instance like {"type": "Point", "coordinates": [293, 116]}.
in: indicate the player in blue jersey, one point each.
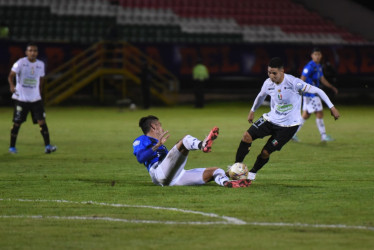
{"type": "Point", "coordinates": [313, 74]}
{"type": "Point", "coordinates": [166, 168]}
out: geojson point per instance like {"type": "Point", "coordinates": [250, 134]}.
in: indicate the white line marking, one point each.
{"type": "Point", "coordinates": [226, 219]}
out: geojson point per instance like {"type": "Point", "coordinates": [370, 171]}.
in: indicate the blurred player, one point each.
{"type": "Point", "coordinates": [166, 168]}
{"type": "Point", "coordinates": [284, 117]}
{"type": "Point", "coordinates": [29, 73]}
{"type": "Point", "coordinates": [313, 74]}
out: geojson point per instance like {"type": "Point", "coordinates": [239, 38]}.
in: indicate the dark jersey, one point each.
{"type": "Point", "coordinates": [313, 73]}
{"type": "Point", "coordinates": [143, 151]}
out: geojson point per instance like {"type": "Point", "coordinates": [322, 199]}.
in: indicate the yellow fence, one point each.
{"type": "Point", "coordinates": [108, 58]}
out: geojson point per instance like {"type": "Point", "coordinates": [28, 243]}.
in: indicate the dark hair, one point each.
{"type": "Point", "coordinates": [145, 123]}
{"type": "Point", "coordinates": [316, 49]}
{"type": "Point", "coordinates": [276, 62]}
{"type": "Point", "coordinates": [31, 44]}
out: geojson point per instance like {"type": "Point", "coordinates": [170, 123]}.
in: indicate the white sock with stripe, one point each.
{"type": "Point", "coordinates": [191, 143]}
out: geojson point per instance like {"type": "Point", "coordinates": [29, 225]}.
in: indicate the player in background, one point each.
{"type": "Point", "coordinates": [29, 73]}
{"type": "Point", "coordinates": [313, 74]}
{"type": "Point", "coordinates": [284, 117]}
{"type": "Point", "coordinates": [166, 168]}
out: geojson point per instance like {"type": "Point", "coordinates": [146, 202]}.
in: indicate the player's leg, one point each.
{"type": "Point", "coordinates": [275, 143]}
{"type": "Point", "coordinates": [321, 127]}
{"type": "Point", "coordinates": [173, 164]}
{"type": "Point", "coordinates": [304, 116]}
{"type": "Point", "coordinates": [257, 130]}
{"type": "Point", "coordinates": [13, 137]}
{"type": "Point", "coordinates": [318, 110]}
{"type": "Point", "coordinates": [244, 147]}
{"type": "Point", "coordinates": [200, 176]}
{"type": "Point", "coordinates": [19, 116]}
{"type": "Point", "coordinates": [192, 143]}
{"type": "Point", "coordinates": [38, 116]}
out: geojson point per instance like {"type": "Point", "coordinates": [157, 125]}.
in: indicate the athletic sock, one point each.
{"type": "Point", "coordinates": [242, 151]}
{"type": "Point", "coordinates": [259, 164]}
{"type": "Point", "coordinates": [191, 143]}
{"type": "Point", "coordinates": [45, 134]}
{"type": "Point", "coordinates": [220, 177]}
{"type": "Point", "coordinates": [13, 135]}
{"type": "Point", "coordinates": [321, 127]}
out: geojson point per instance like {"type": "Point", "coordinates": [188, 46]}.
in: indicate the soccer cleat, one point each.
{"type": "Point", "coordinates": [295, 138]}
{"type": "Point", "coordinates": [327, 138]}
{"type": "Point", "coordinates": [50, 148]}
{"type": "Point", "coordinates": [251, 176]}
{"type": "Point", "coordinates": [13, 150]}
{"type": "Point", "coordinates": [238, 183]}
{"type": "Point", "coordinates": [208, 141]}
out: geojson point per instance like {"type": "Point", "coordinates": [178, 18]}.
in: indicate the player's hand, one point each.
{"type": "Point", "coordinates": [335, 113]}
{"type": "Point", "coordinates": [335, 90]}
{"type": "Point", "coordinates": [12, 89]}
{"type": "Point", "coordinates": [251, 116]}
{"type": "Point", "coordinates": [164, 137]}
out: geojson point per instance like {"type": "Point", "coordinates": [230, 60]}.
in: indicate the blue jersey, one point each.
{"type": "Point", "coordinates": [144, 153]}
{"type": "Point", "coordinates": [313, 73]}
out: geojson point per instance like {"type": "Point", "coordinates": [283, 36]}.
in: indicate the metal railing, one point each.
{"type": "Point", "coordinates": [106, 58]}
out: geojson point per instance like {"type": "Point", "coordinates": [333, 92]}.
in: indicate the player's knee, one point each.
{"type": "Point", "coordinates": [208, 174]}
{"type": "Point", "coordinates": [305, 115]}
{"type": "Point", "coordinates": [41, 122]}
{"type": "Point", "coordinates": [319, 114]}
{"type": "Point", "coordinates": [247, 137]}
{"type": "Point", "coordinates": [265, 154]}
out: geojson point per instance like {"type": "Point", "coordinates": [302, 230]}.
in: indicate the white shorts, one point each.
{"type": "Point", "coordinates": [171, 172]}
{"type": "Point", "coordinates": [312, 104]}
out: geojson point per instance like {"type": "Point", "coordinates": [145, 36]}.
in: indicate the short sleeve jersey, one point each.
{"type": "Point", "coordinates": [143, 151]}
{"type": "Point", "coordinates": [285, 100]}
{"type": "Point", "coordinates": [313, 73]}
{"type": "Point", "coordinates": [28, 76]}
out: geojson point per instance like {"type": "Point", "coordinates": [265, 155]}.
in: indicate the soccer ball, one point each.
{"type": "Point", "coordinates": [238, 171]}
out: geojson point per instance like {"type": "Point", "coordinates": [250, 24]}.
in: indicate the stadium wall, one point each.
{"type": "Point", "coordinates": [232, 67]}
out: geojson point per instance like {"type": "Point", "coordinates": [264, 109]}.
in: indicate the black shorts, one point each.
{"type": "Point", "coordinates": [279, 136]}
{"type": "Point", "coordinates": [21, 110]}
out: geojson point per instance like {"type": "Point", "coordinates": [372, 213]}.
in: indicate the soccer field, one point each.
{"type": "Point", "coordinates": [92, 193]}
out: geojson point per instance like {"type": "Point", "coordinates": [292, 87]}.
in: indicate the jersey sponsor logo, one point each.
{"type": "Point", "coordinates": [271, 88]}
{"type": "Point", "coordinates": [136, 143]}
{"type": "Point", "coordinates": [284, 108]}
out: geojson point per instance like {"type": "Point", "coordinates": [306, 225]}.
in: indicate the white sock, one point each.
{"type": "Point", "coordinates": [321, 127]}
{"type": "Point", "coordinates": [220, 176]}
{"type": "Point", "coordinates": [191, 143]}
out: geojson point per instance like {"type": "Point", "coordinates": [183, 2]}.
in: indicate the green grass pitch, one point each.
{"type": "Point", "coordinates": [309, 196]}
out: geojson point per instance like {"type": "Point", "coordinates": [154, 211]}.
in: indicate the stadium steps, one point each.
{"type": "Point", "coordinates": [108, 58]}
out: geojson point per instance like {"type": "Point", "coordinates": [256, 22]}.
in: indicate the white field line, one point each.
{"type": "Point", "coordinates": [225, 219]}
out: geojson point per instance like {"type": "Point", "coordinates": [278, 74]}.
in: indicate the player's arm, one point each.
{"type": "Point", "coordinates": [256, 104]}
{"type": "Point", "coordinates": [12, 86]}
{"type": "Point", "coordinates": [303, 78]}
{"type": "Point", "coordinates": [314, 90]}
{"type": "Point", "coordinates": [329, 85]}
{"type": "Point", "coordinates": [41, 85]}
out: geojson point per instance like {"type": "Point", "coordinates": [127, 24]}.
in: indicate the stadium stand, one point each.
{"type": "Point", "coordinates": [185, 21]}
